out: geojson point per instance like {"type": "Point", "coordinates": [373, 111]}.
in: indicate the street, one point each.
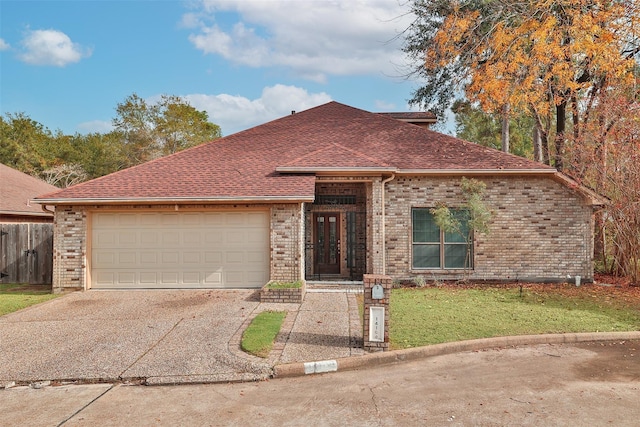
{"type": "Point", "coordinates": [591, 384]}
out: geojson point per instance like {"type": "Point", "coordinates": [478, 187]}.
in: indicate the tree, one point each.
{"type": "Point", "coordinates": [550, 58]}
{"type": "Point", "coordinates": [152, 130]}
{"type": "Point", "coordinates": [606, 156]}
{"type": "Point", "coordinates": [473, 124]}
{"type": "Point", "coordinates": [64, 175]}
{"type": "Point", "coordinates": [24, 143]}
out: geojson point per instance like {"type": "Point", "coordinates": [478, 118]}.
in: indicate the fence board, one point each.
{"type": "Point", "coordinates": [26, 253]}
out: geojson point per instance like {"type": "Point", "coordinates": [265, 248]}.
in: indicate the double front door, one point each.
{"type": "Point", "coordinates": [327, 243]}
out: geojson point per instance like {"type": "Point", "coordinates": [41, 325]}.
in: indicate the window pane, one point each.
{"type": "Point", "coordinates": [426, 256]}
{"type": "Point", "coordinates": [454, 256]}
{"type": "Point", "coordinates": [425, 229]}
{"type": "Point", "coordinates": [459, 237]}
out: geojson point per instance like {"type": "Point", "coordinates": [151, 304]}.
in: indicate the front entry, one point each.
{"type": "Point", "coordinates": [327, 243]}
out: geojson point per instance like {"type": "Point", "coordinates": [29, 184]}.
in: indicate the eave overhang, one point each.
{"type": "Point", "coordinates": [175, 200]}
{"type": "Point", "coordinates": [324, 170]}
{"type": "Point", "coordinates": [26, 213]}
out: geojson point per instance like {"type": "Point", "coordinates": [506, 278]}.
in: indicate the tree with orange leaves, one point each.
{"type": "Point", "coordinates": [550, 58]}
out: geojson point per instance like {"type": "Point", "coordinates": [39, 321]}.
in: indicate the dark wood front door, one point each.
{"type": "Point", "coordinates": [327, 243]}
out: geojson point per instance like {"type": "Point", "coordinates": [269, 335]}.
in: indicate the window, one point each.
{"type": "Point", "coordinates": [435, 249]}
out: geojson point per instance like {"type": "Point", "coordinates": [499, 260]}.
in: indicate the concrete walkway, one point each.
{"type": "Point", "coordinates": [167, 337]}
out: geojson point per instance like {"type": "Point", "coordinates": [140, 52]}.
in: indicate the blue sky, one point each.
{"type": "Point", "coordinates": [67, 64]}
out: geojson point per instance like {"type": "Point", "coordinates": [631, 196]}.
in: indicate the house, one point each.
{"type": "Point", "coordinates": [26, 231]}
{"type": "Point", "coordinates": [17, 191]}
{"type": "Point", "coordinates": [332, 192]}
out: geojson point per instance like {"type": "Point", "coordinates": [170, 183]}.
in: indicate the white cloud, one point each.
{"type": "Point", "coordinates": [95, 126]}
{"type": "Point", "coordinates": [4, 45]}
{"type": "Point", "coordinates": [51, 47]}
{"type": "Point", "coordinates": [235, 113]}
{"type": "Point", "coordinates": [313, 39]}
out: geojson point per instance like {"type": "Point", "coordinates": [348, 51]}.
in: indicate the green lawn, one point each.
{"type": "Point", "coordinates": [14, 297]}
{"type": "Point", "coordinates": [261, 333]}
{"type": "Point", "coordinates": [435, 315]}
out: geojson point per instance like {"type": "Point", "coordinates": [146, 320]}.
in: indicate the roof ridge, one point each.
{"type": "Point", "coordinates": [359, 154]}
{"type": "Point", "coordinates": [304, 156]}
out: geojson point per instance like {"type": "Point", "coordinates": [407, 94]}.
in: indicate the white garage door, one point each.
{"type": "Point", "coordinates": [179, 250]}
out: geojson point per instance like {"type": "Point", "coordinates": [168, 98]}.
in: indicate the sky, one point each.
{"type": "Point", "coordinates": [67, 64]}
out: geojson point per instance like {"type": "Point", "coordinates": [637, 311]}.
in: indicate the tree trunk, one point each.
{"type": "Point", "coordinates": [537, 145]}
{"type": "Point", "coordinates": [561, 121]}
{"type": "Point", "coordinates": [505, 128]}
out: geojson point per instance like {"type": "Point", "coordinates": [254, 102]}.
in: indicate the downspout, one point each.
{"type": "Point", "coordinates": [384, 236]}
{"type": "Point", "coordinates": [44, 208]}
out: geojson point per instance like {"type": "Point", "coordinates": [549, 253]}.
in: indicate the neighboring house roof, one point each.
{"type": "Point", "coordinates": [277, 161]}
{"type": "Point", "coordinates": [18, 189]}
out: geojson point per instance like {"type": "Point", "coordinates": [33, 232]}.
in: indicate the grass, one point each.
{"type": "Point", "coordinates": [284, 285]}
{"type": "Point", "coordinates": [436, 315]}
{"type": "Point", "coordinates": [258, 338]}
{"type": "Point", "coordinates": [14, 297]}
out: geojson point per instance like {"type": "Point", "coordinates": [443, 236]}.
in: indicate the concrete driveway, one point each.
{"type": "Point", "coordinates": [157, 336]}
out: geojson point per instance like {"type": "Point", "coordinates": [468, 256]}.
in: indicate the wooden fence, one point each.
{"type": "Point", "coordinates": [26, 253]}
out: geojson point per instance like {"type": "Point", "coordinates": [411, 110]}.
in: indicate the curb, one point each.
{"type": "Point", "coordinates": [385, 358]}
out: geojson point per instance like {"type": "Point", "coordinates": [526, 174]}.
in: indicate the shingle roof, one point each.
{"type": "Point", "coordinates": [18, 189]}
{"type": "Point", "coordinates": [258, 163]}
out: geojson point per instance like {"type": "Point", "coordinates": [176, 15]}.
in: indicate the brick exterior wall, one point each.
{"type": "Point", "coordinates": [287, 242]}
{"type": "Point", "coordinates": [540, 230]}
{"type": "Point", "coordinates": [376, 213]}
{"type": "Point", "coordinates": [69, 248]}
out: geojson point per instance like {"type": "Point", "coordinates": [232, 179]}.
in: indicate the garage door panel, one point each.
{"type": "Point", "coordinates": [213, 257]}
{"type": "Point", "coordinates": [191, 278]}
{"type": "Point", "coordinates": [148, 258]}
{"type": "Point", "coordinates": [215, 219]}
{"type": "Point", "coordinates": [171, 238]}
{"type": "Point", "coordinates": [193, 258]}
{"type": "Point", "coordinates": [214, 237]}
{"type": "Point", "coordinates": [148, 238]}
{"type": "Point", "coordinates": [192, 238]}
{"type": "Point", "coordinates": [255, 257]}
{"type": "Point", "coordinates": [148, 277]}
{"type": "Point", "coordinates": [169, 277]}
{"type": "Point", "coordinates": [107, 258]}
{"type": "Point", "coordinates": [169, 250]}
{"type": "Point", "coordinates": [127, 259]}
{"type": "Point", "coordinates": [126, 277]}
{"type": "Point", "coordinates": [192, 219]}
{"type": "Point", "coordinates": [234, 257]}
{"type": "Point", "coordinates": [105, 239]}
{"type": "Point", "coordinates": [169, 219]}
{"type": "Point", "coordinates": [170, 257]}
{"type": "Point", "coordinates": [213, 278]}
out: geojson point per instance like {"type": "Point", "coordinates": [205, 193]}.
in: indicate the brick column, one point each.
{"type": "Point", "coordinates": [377, 294]}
